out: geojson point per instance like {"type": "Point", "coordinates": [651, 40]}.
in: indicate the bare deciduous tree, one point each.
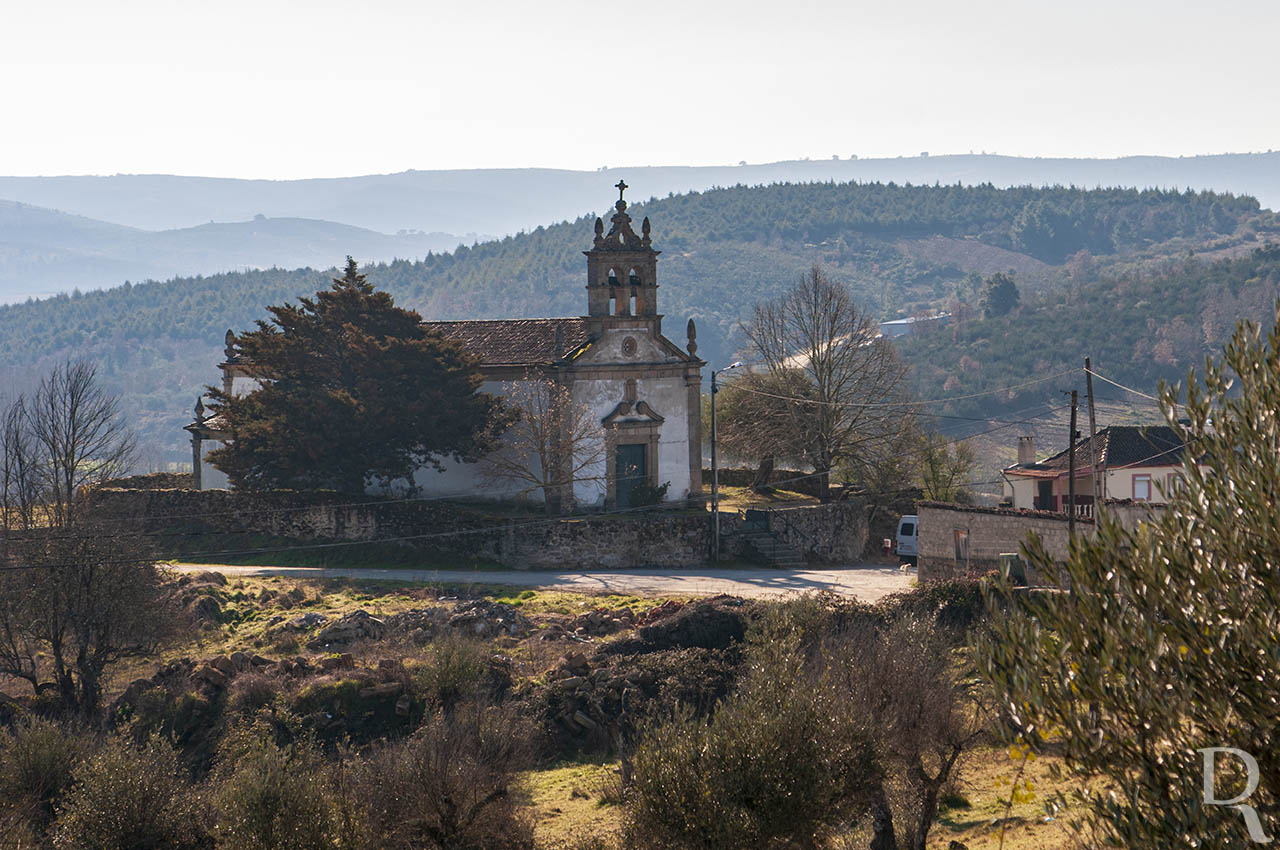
{"type": "Point", "coordinates": [921, 716]}
{"type": "Point", "coordinates": [756, 420]}
{"type": "Point", "coordinates": [554, 443]}
{"type": "Point", "coordinates": [19, 476]}
{"type": "Point", "coordinates": [72, 604]}
{"type": "Point", "coordinates": [944, 468]}
{"type": "Point", "coordinates": [853, 374]}
{"type": "Point", "coordinates": [76, 594]}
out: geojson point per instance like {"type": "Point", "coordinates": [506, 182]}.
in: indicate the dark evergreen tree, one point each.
{"type": "Point", "coordinates": [353, 389]}
{"type": "Point", "coordinates": [999, 295]}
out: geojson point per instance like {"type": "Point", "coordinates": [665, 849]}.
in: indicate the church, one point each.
{"type": "Point", "coordinates": [614, 362]}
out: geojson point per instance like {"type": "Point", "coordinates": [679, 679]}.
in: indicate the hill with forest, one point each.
{"type": "Point", "coordinates": [904, 250]}
{"type": "Point", "coordinates": [504, 201]}
{"type": "Point", "coordinates": [44, 251]}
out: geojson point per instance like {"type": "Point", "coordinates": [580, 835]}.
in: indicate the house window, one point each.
{"type": "Point", "coordinates": [1142, 488]}
{"type": "Point", "coordinates": [1173, 484]}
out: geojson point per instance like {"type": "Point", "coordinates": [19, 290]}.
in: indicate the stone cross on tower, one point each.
{"type": "Point", "coordinates": [621, 186]}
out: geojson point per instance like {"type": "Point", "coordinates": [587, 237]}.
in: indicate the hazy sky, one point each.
{"type": "Point", "coordinates": [275, 89]}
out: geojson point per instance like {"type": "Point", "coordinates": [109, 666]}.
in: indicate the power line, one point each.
{"type": "Point", "coordinates": [737, 386]}
{"type": "Point", "coordinates": [1122, 386]}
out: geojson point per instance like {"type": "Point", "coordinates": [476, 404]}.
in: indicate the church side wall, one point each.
{"type": "Point", "coordinates": [461, 479]}
{"type": "Point", "coordinates": [211, 478]}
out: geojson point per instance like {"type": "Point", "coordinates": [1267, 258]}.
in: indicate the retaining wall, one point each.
{"type": "Point", "coordinates": [661, 538]}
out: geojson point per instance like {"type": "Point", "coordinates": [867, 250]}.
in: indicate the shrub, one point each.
{"type": "Point", "coordinates": [955, 605]}
{"type": "Point", "coordinates": [448, 787]}
{"type": "Point", "coordinates": [453, 670]}
{"type": "Point", "coordinates": [774, 767]}
{"type": "Point", "coordinates": [126, 798]}
{"type": "Point", "coordinates": [268, 798]}
{"type": "Point", "coordinates": [36, 765]}
{"type": "Point", "coordinates": [252, 691]}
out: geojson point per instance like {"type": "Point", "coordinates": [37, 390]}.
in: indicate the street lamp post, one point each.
{"type": "Point", "coordinates": [715, 468]}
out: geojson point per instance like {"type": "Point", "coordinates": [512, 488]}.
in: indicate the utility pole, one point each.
{"type": "Point", "coordinates": [1071, 472]}
{"type": "Point", "coordinates": [715, 469]}
{"type": "Point", "coordinates": [1098, 481]}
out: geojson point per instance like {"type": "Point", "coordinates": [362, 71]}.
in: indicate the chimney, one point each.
{"type": "Point", "coordinates": [1027, 449]}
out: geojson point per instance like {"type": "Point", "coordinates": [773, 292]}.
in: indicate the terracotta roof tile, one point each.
{"type": "Point", "coordinates": [517, 342]}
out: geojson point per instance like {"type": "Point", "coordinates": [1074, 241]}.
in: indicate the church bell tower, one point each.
{"type": "Point", "coordinates": [622, 272]}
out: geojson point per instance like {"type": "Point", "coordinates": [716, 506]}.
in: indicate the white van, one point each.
{"type": "Point", "coordinates": [908, 537]}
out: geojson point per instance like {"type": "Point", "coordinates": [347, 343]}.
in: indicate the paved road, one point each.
{"type": "Point", "coordinates": [866, 583]}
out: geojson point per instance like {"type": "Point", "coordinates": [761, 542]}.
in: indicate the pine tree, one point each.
{"type": "Point", "coordinates": [354, 390]}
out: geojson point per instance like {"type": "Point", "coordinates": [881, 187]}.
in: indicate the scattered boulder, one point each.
{"type": "Point", "coordinates": [358, 625]}
{"type": "Point", "coordinates": [211, 676]}
{"type": "Point", "coordinates": [223, 665]}
{"type": "Point", "coordinates": [345, 661]}
{"type": "Point", "coordinates": [484, 618]}
{"type": "Point", "coordinates": [385, 689]}
{"type": "Point", "coordinates": [205, 609]}
{"type": "Point", "coordinates": [309, 620]}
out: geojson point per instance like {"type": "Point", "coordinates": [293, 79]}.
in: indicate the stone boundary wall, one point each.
{"type": "Point", "coordinates": [661, 538]}
{"type": "Point", "coordinates": [991, 532]}
{"type": "Point", "coordinates": [834, 533]}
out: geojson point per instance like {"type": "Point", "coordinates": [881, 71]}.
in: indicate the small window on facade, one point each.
{"type": "Point", "coordinates": [1142, 488]}
{"type": "Point", "coordinates": [1173, 484]}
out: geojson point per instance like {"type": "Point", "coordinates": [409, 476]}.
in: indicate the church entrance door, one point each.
{"type": "Point", "coordinates": [629, 472]}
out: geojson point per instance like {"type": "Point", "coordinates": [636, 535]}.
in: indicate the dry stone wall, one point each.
{"type": "Point", "coordinates": [663, 538]}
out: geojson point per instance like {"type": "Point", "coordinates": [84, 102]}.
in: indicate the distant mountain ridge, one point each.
{"type": "Point", "coordinates": [502, 201]}
{"type": "Point", "coordinates": [44, 251]}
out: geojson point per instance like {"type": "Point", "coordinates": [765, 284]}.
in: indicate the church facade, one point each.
{"type": "Point", "coordinates": [614, 362]}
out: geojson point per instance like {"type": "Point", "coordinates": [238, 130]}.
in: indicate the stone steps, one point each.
{"type": "Point", "coordinates": [771, 550]}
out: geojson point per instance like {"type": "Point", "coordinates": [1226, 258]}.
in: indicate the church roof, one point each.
{"type": "Point", "coordinates": [517, 342]}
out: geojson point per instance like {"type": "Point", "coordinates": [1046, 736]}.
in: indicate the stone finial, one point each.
{"type": "Point", "coordinates": [199, 410]}
{"type": "Point", "coordinates": [599, 231]}
{"type": "Point", "coordinates": [230, 339]}
{"type": "Point", "coordinates": [644, 231]}
{"type": "Point", "coordinates": [692, 332]}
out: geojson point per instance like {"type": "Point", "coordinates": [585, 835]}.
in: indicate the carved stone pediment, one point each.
{"type": "Point", "coordinates": [632, 413]}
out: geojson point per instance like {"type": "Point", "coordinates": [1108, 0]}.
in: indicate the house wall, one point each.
{"type": "Point", "coordinates": [1120, 481]}
{"type": "Point", "coordinates": [1119, 485]}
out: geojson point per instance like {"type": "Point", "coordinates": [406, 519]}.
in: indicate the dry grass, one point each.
{"type": "Point", "coordinates": [744, 497]}
{"type": "Point", "coordinates": [988, 784]}
{"type": "Point", "coordinates": [568, 803]}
